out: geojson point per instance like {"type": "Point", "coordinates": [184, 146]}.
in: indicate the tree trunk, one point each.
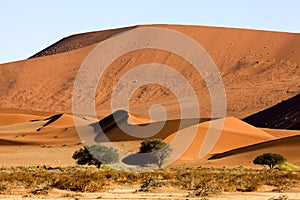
{"type": "Point", "coordinates": [98, 165]}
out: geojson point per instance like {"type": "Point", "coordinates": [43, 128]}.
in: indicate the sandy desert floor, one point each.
{"type": "Point", "coordinates": [129, 194]}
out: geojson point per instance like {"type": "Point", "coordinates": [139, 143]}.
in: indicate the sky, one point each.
{"type": "Point", "coordinates": [30, 26]}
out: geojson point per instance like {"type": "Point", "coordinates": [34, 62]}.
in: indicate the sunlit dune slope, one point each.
{"type": "Point", "coordinates": [259, 69]}
{"type": "Point", "coordinates": [288, 147]}
{"type": "Point", "coordinates": [233, 134]}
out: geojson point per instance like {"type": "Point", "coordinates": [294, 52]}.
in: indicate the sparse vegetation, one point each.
{"type": "Point", "coordinates": [96, 155]}
{"type": "Point", "coordinates": [201, 181]}
{"type": "Point", "coordinates": [281, 197]}
{"type": "Point", "coordinates": [287, 166]}
{"type": "Point", "coordinates": [270, 159]}
{"type": "Point", "coordinates": [151, 182]}
{"type": "Point", "coordinates": [158, 148]}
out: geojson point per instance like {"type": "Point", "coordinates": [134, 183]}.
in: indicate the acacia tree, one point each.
{"type": "Point", "coordinates": [96, 155]}
{"type": "Point", "coordinates": [270, 159]}
{"type": "Point", "coordinates": [158, 148]}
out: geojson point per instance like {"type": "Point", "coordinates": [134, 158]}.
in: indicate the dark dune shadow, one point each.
{"type": "Point", "coordinates": [115, 127]}
{"type": "Point", "coordinates": [140, 159]}
{"type": "Point", "coordinates": [4, 142]}
{"type": "Point", "coordinates": [51, 120]}
{"type": "Point", "coordinates": [285, 115]}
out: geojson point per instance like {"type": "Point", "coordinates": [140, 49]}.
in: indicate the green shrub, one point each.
{"type": "Point", "coordinates": [287, 166]}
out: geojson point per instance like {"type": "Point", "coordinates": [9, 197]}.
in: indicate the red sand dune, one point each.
{"type": "Point", "coordinates": [234, 134]}
{"type": "Point", "coordinates": [259, 69]}
{"type": "Point", "coordinates": [281, 133]}
{"type": "Point", "coordinates": [61, 134]}
{"type": "Point", "coordinates": [77, 41]}
{"type": "Point", "coordinates": [288, 147]}
{"type": "Point", "coordinates": [9, 118]}
{"type": "Point", "coordinates": [55, 130]}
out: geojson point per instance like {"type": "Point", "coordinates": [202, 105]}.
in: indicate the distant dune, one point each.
{"type": "Point", "coordinates": [259, 70]}
{"type": "Point", "coordinates": [29, 126]}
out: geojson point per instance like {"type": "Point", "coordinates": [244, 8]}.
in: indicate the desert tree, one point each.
{"type": "Point", "coordinates": [158, 149]}
{"type": "Point", "coordinates": [270, 159]}
{"type": "Point", "coordinates": [96, 155]}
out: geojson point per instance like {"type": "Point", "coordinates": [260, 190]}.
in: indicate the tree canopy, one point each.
{"type": "Point", "coordinates": [158, 149]}
{"type": "Point", "coordinates": [270, 159]}
{"type": "Point", "coordinates": [96, 155]}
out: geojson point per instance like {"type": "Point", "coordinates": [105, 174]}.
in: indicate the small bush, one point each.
{"type": "Point", "coordinates": [40, 191]}
{"type": "Point", "coordinates": [2, 187]}
{"type": "Point", "coordinates": [149, 183]}
{"type": "Point", "coordinates": [281, 197]}
{"type": "Point", "coordinates": [287, 166]}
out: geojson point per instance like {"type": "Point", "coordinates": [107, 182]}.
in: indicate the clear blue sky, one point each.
{"type": "Point", "coordinates": [31, 25]}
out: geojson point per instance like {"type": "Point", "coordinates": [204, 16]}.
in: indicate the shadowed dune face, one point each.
{"type": "Point", "coordinates": [285, 115]}
{"type": "Point", "coordinates": [78, 41]}
{"type": "Point", "coordinates": [116, 128]}
{"type": "Point", "coordinates": [13, 143]}
{"type": "Point", "coordinates": [266, 64]}
{"type": "Point", "coordinates": [116, 134]}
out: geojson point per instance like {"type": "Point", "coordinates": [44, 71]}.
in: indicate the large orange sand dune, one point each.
{"type": "Point", "coordinates": [259, 69]}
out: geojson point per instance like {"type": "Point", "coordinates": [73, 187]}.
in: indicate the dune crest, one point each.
{"type": "Point", "coordinates": [30, 126]}
{"type": "Point", "coordinates": [234, 134]}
